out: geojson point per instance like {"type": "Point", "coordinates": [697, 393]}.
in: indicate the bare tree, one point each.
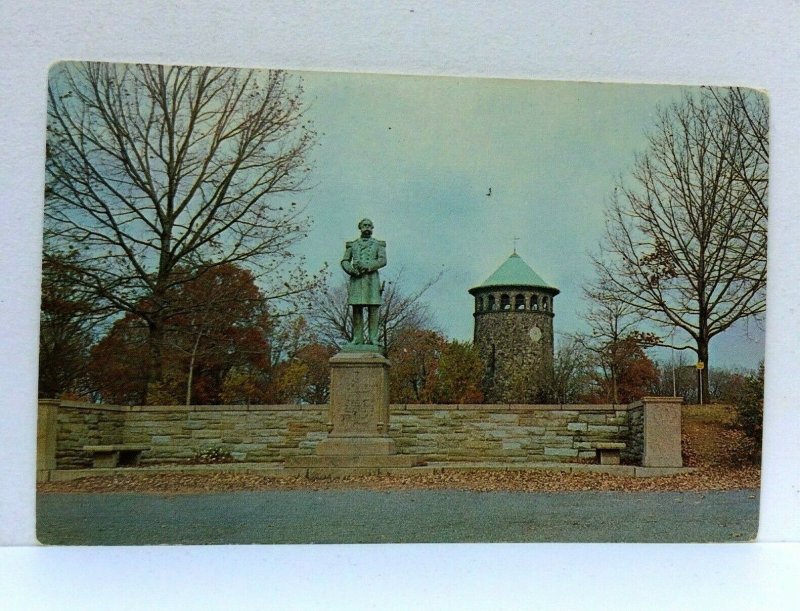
{"type": "Point", "coordinates": [564, 380]}
{"type": "Point", "coordinates": [685, 242]}
{"type": "Point", "coordinates": [155, 169]}
{"type": "Point", "coordinates": [746, 110]}
{"type": "Point", "coordinates": [331, 316]}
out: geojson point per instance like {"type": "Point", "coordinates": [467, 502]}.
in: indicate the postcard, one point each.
{"type": "Point", "coordinates": [317, 307]}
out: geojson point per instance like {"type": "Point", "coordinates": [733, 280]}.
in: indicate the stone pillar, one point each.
{"type": "Point", "coordinates": [359, 406]}
{"type": "Point", "coordinates": [46, 435]}
{"type": "Point", "coordinates": [662, 432]}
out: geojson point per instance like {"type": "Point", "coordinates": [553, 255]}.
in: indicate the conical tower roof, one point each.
{"type": "Point", "coordinates": [514, 272]}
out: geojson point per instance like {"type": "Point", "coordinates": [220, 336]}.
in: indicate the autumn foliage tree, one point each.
{"type": "Point", "coordinates": [415, 358]}
{"type": "Point", "coordinates": [67, 320]}
{"type": "Point", "coordinates": [297, 368]}
{"type": "Point", "coordinates": [202, 346]}
{"type": "Point", "coordinates": [614, 346]}
{"type": "Point", "coordinates": [154, 172]}
{"type": "Point", "coordinates": [225, 313]}
{"type": "Point", "coordinates": [459, 374]}
{"type": "Point", "coordinates": [316, 381]}
{"type": "Point", "coordinates": [634, 373]}
{"type": "Point", "coordinates": [117, 364]}
{"type": "Point", "coordinates": [427, 368]}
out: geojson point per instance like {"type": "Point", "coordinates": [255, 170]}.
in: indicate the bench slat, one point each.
{"type": "Point", "coordinates": [608, 445]}
{"type": "Point", "coordinates": [116, 448]}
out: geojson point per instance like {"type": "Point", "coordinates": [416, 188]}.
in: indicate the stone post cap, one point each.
{"type": "Point", "coordinates": [359, 358]}
{"type": "Point", "coordinates": [654, 401]}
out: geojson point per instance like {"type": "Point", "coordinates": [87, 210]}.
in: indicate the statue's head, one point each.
{"type": "Point", "coordinates": [365, 226]}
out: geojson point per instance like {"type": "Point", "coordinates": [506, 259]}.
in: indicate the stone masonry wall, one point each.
{"type": "Point", "coordinates": [259, 433]}
{"type": "Point", "coordinates": [634, 448]}
{"type": "Point", "coordinates": [506, 348]}
{"type": "Point", "coordinates": [81, 424]}
{"type": "Point", "coordinates": [268, 434]}
{"type": "Point", "coordinates": [506, 433]}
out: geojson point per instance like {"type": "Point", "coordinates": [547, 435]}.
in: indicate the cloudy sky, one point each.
{"type": "Point", "coordinates": [419, 154]}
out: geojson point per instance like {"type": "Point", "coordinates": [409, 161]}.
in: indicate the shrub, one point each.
{"type": "Point", "coordinates": [749, 407]}
{"type": "Point", "coordinates": [212, 456]}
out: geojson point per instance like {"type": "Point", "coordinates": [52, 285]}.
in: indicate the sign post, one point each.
{"type": "Point", "coordinates": [700, 366]}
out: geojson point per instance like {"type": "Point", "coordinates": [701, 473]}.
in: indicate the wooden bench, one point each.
{"type": "Point", "coordinates": [608, 451]}
{"type": "Point", "coordinates": [116, 455]}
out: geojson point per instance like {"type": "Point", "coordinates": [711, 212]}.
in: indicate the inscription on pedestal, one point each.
{"type": "Point", "coordinates": [357, 411]}
{"type": "Point", "coordinates": [354, 402]}
{"type": "Point", "coordinates": [359, 395]}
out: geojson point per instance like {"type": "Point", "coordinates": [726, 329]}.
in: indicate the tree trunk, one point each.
{"type": "Point", "coordinates": [702, 356]}
{"type": "Point", "coordinates": [155, 370]}
{"type": "Point", "coordinates": [614, 393]}
{"type": "Point", "coordinates": [191, 371]}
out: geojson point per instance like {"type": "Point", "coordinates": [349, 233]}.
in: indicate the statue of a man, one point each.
{"type": "Point", "coordinates": [362, 259]}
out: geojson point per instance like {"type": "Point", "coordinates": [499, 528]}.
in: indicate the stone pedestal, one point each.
{"type": "Point", "coordinates": [662, 432]}
{"type": "Point", "coordinates": [358, 426]}
{"type": "Point", "coordinates": [46, 430]}
{"type": "Point", "coordinates": [359, 406]}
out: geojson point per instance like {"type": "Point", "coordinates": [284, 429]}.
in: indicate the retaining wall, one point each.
{"type": "Point", "coordinates": [499, 433]}
{"type": "Point", "coordinates": [79, 425]}
{"type": "Point", "coordinates": [506, 433]}
{"type": "Point", "coordinates": [634, 447]}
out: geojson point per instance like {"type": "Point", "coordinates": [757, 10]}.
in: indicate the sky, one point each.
{"type": "Point", "coordinates": [418, 156]}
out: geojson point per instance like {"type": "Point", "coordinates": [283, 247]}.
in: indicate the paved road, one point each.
{"type": "Point", "coordinates": [413, 516]}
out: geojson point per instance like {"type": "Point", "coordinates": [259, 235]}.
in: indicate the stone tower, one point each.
{"type": "Point", "coordinates": [514, 331]}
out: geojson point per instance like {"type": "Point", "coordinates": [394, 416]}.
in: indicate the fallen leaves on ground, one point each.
{"type": "Point", "coordinates": [484, 480]}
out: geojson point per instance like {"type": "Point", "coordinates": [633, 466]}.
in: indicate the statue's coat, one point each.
{"type": "Point", "coordinates": [368, 254]}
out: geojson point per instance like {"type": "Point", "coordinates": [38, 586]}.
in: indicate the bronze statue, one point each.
{"type": "Point", "coordinates": [362, 259]}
